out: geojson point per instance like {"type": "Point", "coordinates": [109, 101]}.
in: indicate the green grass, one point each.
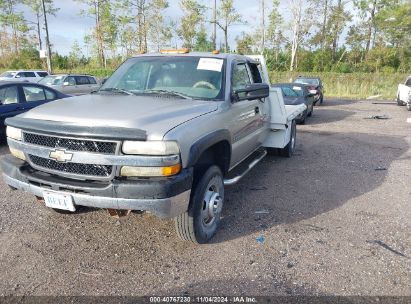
{"type": "Point", "coordinates": [353, 85]}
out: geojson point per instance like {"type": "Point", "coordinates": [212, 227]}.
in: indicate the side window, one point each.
{"type": "Point", "coordinates": [408, 82]}
{"type": "Point", "coordinates": [71, 81]}
{"type": "Point", "coordinates": [33, 94]}
{"type": "Point", "coordinates": [8, 95]}
{"type": "Point", "coordinates": [255, 73]}
{"type": "Point", "coordinates": [92, 80]}
{"type": "Point", "coordinates": [82, 80]}
{"type": "Point", "coordinates": [42, 74]}
{"type": "Point", "coordinates": [50, 95]}
{"type": "Point", "coordinates": [240, 78]}
{"type": "Point", "coordinates": [28, 74]}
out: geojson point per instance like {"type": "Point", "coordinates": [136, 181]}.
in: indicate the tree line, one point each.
{"type": "Point", "coordinates": [303, 35]}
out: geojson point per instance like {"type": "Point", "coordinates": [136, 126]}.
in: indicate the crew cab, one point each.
{"type": "Point", "coordinates": [404, 94]}
{"type": "Point", "coordinates": [166, 133]}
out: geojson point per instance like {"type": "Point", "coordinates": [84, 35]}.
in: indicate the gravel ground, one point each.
{"type": "Point", "coordinates": [332, 220]}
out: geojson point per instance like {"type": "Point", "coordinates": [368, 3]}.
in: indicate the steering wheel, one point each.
{"type": "Point", "coordinates": [205, 84]}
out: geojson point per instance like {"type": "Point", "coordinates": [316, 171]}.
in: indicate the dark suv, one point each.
{"type": "Point", "coordinates": [314, 83]}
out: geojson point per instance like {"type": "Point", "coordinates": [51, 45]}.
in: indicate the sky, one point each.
{"type": "Point", "coordinates": [69, 26]}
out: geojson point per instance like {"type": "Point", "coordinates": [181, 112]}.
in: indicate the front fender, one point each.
{"type": "Point", "coordinates": [206, 142]}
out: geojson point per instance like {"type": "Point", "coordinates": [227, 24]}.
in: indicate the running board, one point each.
{"type": "Point", "coordinates": [235, 180]}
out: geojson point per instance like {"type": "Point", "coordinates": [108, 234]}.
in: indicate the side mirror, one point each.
{"type": "Point", "coordinates": [252, 92]}
{"type": "Point", "coordinates": [17, 76]}
{"type": "Point", "coordinates": [66, 83]}
{"type": "Point", "coordinates": [104, 80]}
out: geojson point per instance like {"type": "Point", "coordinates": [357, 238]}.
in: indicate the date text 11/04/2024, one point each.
{"type": "Point", "coordinates": [188, 299]}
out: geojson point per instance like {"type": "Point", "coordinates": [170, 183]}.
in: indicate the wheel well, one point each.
{"type": "Point", "coordinates": [218, 154]}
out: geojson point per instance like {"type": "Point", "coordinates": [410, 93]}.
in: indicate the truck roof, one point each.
{"type": "Point", "coordinates": [198, 54]}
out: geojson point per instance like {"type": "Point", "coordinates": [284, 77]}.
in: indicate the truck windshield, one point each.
{"type": "Point", "coordinates": [52, 80]}
{"type": "Point", "coordinates": [189, 76]}
{"type": "Point", "coordinates": [311, 81]}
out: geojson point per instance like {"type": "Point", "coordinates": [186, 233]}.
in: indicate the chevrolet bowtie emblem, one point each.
{"type": "Point", "coordinates": [61, 156]}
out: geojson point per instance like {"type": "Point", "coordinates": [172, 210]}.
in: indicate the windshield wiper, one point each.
{"type": "Point", "coordinates": [116, 90]}
{"type": "Point", "coordinates": [166, 92]}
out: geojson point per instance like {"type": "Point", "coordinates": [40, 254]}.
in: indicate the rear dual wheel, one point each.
{"type": "Point", "coordinates": [289, 149]}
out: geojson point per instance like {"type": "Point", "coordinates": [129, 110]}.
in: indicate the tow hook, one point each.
{"type": "Point", "coordinates": [115, 213]}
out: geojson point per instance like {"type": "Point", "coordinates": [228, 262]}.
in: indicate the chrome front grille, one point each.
{"type": "Point", "coordinates": [71, 144]}
{"type": "Point", "coordinates": [72, 168]}
{"type": "Point", "coordinates": [68, 145]}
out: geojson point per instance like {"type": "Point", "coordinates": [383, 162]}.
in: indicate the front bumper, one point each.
{"type": "Point", "coordinates": [165, 198]}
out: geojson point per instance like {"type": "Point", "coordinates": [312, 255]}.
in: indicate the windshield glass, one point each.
{"type": "Point", "coordinates": [292, 91]}
{"type": "Point", "coordinates": [8, 74]}
{"type": "Point", "coordinates": [194, 77]}
{"type": "Point", "coordinates": [52, 80]}
{"type": "Point", "coordinates": [312, 81]}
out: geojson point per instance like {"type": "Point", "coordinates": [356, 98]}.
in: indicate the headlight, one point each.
{"type": "Point", "coordinates": [150, 148]}
{"type": "Point", "coordinates": [150, 171]}
{"type": "Point", "coordinates": [17, 153]}
{"type": "Point", "coordinates": [14, 133]}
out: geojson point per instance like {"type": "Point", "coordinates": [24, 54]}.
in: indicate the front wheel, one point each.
{"type": "Point", "coordinates": [200, 223]}
{"type": "Point", "coordinates": [409, 106]}
{"type": "Point", "coordinates": [289, 149]}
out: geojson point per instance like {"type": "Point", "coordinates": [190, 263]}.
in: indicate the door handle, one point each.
{"type": "Point", "coordinates": [257, 110]}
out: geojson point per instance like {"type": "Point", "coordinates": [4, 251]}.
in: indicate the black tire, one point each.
{"type": "Point", "coordinates": [312, 110]}
{"type": "Point", "coordinates": [207, 199]}
{"type": "Point", "coordinates": [399, 101]}
{"type": "Point", "coordinates": [301, 121]}
{"type": "Point", "coordinates": [289, 149]}
{"type": "Point", "coordinates": [409, 106]}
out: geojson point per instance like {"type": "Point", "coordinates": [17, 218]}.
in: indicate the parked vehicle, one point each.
{"type": "Point", "coordinates": [73, 84]}
{"type": "Point", "coordinates": [315, 85]}
{"type": "Point", "coordinates": [295, 94]}
{"type": "Point", "coordinates": [165, 134]}
{"type": "Point", "coordinates": [21, 75]}
{"type": "Point", "coordinates": [404, 94]}
{"type": "Point", "coordinates": [18, 97]}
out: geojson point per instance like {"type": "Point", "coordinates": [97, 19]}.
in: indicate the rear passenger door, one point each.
{"type": "Point", "coordinates": [83, 85]}
{"type": "Point", "coordinates": [35, 96]}
{"type": "Point", "coordinates": [94, 86]}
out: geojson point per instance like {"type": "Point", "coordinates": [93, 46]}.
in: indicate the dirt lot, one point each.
{"type": "Point", "coordinates": [333, 220]}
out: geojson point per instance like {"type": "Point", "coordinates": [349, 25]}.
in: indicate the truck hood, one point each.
{"type": "Point", "coordinates": [153, 114]}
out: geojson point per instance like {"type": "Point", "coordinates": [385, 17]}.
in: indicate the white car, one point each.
{"type": "Point", "coordinates": [404, 94]}
{"type": "Point", "coordinates": [22, 75]}
{"type": "Point", "coordinates": [72, 84]}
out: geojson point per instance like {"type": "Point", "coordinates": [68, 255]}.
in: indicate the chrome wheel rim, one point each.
{"type": "Point", "coordinates": [212, 201]}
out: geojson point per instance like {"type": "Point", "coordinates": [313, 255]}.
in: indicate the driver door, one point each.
{"type": "Point", "coordinates": [246, 121]}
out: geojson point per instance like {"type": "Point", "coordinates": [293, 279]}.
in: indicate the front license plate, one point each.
{"type": "Point", "coordinates": [59, 201]}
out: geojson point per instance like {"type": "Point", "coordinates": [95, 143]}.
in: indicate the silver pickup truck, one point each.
{"type": "Point", "coordinates": [165, 134]}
